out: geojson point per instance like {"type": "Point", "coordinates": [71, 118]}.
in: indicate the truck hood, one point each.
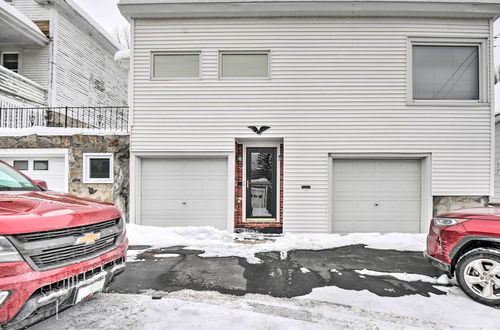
{"type": "Point", "coordinates": [24, 212]}
{"type": "Point", "coordinates": [479, 213]}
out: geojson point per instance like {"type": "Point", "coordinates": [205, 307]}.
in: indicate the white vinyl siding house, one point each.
{"type": "Point", "coordinates": [337, 91]}
{"type": "Point", "coordinates": [77, 66]}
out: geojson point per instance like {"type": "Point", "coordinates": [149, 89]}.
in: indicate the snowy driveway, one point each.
{"type": "Point", "coordinates": [299, 281]}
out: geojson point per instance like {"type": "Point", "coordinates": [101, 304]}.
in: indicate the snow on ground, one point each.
{"type": "Point", "coordinates": [454, 308]}
{"type": "Point", "coordinates": [400, 276]}
{"type": "Point", "coordinates": [188, 309]}
{"type": "Point", "coordinates": [220, 243]}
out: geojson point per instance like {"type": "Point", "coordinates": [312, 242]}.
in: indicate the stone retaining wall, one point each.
{"type": "Point", "coordinates": [77, 145]}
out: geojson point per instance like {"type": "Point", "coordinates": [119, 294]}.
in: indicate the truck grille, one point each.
{"type": "Point", "coordinates": [57, 248]}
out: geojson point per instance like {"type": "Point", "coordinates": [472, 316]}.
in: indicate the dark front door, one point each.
{"type": "Point", "coordinates": [261, 184]}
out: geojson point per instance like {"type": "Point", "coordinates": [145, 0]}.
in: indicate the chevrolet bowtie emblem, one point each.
{"type": "Point", "coordinates": [88, 238]}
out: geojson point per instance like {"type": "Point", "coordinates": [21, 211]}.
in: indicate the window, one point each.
{"type": "Point", "coordinates": [244, 64]}
{"type": "Point", "coordinates": [98, 168]}
{"type": "Point", "coordinates": [446, 71]}
{"type": "Point", "coordinates": [41, 165]}
{"type": "Point", "coordinates": [176, 65]}
{"type": "Point", "coordinates": [11, 61]}
{"type": "Point", "coordinates": [21, 165]}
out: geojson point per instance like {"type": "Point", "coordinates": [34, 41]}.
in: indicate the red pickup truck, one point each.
{"type": "Point", "coordinates": [55, 249]}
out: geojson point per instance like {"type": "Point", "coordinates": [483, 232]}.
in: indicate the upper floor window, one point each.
{"type": "Point", "coordinates": [176, 65]}
{"type": "Point", "coordinates": [446, 72]}
{"type": "Point", "coordinates": [10, 60]}
{"type": "Point", "coordinates": [244, 64]}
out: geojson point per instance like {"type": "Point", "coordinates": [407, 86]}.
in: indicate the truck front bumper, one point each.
{"type": "Point", "coordinates": [34, 296]}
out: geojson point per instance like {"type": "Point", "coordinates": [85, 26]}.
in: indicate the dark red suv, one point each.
{"type": "Point", "coordinates": [466, 243]}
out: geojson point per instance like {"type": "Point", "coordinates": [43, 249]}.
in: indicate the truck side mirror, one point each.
{"type": "Point", "coordinates": [42, 184]}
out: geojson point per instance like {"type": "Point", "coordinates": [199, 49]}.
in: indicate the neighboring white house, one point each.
{"type": "Point", "coordinates": [377, 112]}
{"type": "Point", "coordinates": [58, 77]}
{"type": "Point", "coordinates": [57, 56]}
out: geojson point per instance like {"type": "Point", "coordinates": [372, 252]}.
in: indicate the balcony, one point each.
{"type": "Point", "coordinates": [82, 119]}
{"type": "Point", "coordinates": [18, 91]}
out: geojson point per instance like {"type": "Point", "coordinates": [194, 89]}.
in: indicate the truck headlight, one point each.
{"type": "Point", "coordinates": [8, 252]}
{"type": "Point", "coordinates": [444, 222]}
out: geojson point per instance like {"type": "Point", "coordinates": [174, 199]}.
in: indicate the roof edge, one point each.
{"type": "Point", "coordinates": [304, 8]}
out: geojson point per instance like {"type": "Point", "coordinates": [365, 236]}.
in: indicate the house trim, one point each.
{"type": "Point", "coordinates": [426, 202]}
{"type": "Point", "coordinates": [40, 152]}
{"type": "Point", "coordinates": [449, 41]}
{"type": "Point", "coordinates": [135, 179]}
{"type": "Point", "coordinates": [325, 8]}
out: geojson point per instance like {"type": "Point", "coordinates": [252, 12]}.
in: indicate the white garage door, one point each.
{"type": "Point", "coordinates": [376, 196]}
{"type": "Point", "coordinates": [47, 168]}
{"type": "Point", "coordinates": [184, 192]}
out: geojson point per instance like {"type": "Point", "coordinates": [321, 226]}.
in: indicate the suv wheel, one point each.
{"type": "Point", "coordinates": [478, 274]}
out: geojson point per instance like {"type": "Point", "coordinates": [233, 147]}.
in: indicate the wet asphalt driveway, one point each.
{"type": "Point", "coordinates": [280, 275]}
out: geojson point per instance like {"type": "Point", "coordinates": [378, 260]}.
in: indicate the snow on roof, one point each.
{"type": "Point", "coordinates": [122, 55]}
{"type": "Point", "coordinates": [92, 22]}
{"type": "Point", "coordinates": [19, 16]}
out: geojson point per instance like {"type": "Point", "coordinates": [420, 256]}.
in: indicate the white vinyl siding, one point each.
{"type": "Point", "coordinates": [86, 73]}
{"type": "Point", "coordinates": [337, 86]}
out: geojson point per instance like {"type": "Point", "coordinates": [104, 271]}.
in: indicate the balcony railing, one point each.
{"type": "Point", "coordinates": [89, 118]}
{"type": "Point", "coordinates": [20, 90]}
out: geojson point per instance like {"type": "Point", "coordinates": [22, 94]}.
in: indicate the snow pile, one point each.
{"type": "Point", "coordinates": [56, 131]}
{"type": "Point", "coordinates": [122, 55]}
{"type": "Point", "coordinates": [400, 276]}
{"type": "Point", "coordinates": [220, 243]}
{"type": "Point", "coordinates": [454, 308]}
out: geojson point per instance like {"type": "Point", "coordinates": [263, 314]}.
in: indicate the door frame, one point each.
{"type": "Point", "coordinates": [42, 152]}
{"type": "Point", "coordinates": [277, 185]}
{"type": "Point", "coordinates": [136, 180]}
{"type": "Point", "coordinates": [425, 179]}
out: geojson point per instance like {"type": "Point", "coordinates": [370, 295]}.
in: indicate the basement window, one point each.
{"type": "Point", "coordinates": [98, 168]}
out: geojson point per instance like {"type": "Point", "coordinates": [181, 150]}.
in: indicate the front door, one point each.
{"type": "Point", "coordinates": [261, 184]}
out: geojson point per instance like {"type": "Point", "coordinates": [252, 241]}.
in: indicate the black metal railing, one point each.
{"type": "Point", "coordinates": [92, 118]}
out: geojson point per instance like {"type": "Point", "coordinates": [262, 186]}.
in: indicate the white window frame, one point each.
{"type": "Point", "coordinates": [443, 41]}
{"type": "Point", "coordinates": [19, 61]}
{"type": "Point", "coordinates": [159, 52]}
{"type": "Point", "coordinates": [86, 168]}
{"type": "Point", "coordinates": [245, 52]}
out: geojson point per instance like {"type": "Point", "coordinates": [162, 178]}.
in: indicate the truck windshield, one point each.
{"type": "Point", "coordinates": [11, 180]}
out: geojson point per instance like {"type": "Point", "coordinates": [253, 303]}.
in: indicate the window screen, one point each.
{"type": "Point", "coordinates": [244, 65]}
{"type": "Point", "coordinates": [445, 72]}
{"type": "Point", "coordinates": [176, 66]}
{"type": "Point", "coordinates": [41, 165]}
{"type": "Point", "coordinates": [99, 168]}
{"type": "Point", "coordinates": [11, 61]}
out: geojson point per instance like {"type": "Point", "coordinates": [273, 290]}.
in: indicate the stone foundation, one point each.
{"type": "Point", "coordinates": [443, 204]}
{"type": "Point", "coordinates": [77, 145]}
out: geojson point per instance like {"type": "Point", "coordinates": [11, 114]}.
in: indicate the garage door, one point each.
{"type": "Point", "coordinates": [47, 168]}
{"type": "Point", "coordinates": [184, 192]}
{"type": "Point", "coordinates": [376, 196]}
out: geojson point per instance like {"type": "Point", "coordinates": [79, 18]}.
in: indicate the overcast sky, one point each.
{"type": "Point", "coordinates": [105, 12]}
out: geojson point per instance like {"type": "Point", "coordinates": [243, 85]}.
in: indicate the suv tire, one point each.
{"type": "Point", "coordinates": [478, 274]}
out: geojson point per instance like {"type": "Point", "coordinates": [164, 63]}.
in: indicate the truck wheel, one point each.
{"type": "Point", "coordinates": [478, 274]}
